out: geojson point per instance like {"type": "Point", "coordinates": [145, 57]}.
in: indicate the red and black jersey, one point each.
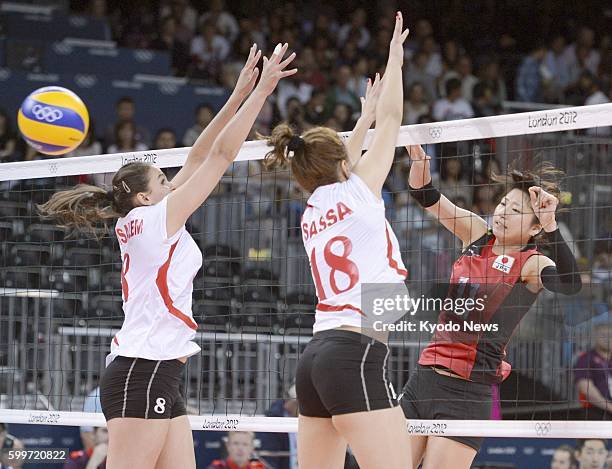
{"type": "Point", "coordinates": [473, 344]}
{"type": "Point", "coordinates": [229, 464]}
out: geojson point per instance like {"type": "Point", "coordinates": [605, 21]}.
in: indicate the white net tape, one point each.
{"type": "Point", "coordinates": [524, 123]}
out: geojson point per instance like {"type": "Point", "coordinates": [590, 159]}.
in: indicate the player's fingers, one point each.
{"type": "Point", "coordinates": [398, 25]}
{"type": "Point", "coordinates": [405, 35]}
{"type": "Point", "coordinates": [256, 58]}
{"type": "Point", "coordinates": [279, 52]}
{"type": "Point", "coordinates": [288, 73]}
{"type": "Point", "coordinates": [252, 51]}
{"type": "Point", "coordinates": [287, 61]}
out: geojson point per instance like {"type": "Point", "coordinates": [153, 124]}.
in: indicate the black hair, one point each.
{"type": "Point", "coordinates": [451, 85]}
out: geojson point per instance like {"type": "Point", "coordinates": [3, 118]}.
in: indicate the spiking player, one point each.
{"type": "Point", "coordinates": [502, 266]}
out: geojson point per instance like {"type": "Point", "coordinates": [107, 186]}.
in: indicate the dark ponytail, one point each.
{"type": "Point", "coordinates": [544, 175]}
{"type": "Point", "coordinates": [84, 207]}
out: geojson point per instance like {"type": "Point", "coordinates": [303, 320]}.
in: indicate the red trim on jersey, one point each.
{"type": "Point", "coordinates": [115, 340]}
{"type": "Point", "coordinates": [330, 308]}
{"type": "Point", "coordinates": [392, 262]}
{"type": "Point", "coordinates": [162, 285]}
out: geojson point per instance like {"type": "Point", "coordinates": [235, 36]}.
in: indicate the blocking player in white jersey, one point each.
{"type": "Point", "coordinates": [342, 382]}
{"type": "Point", "coordinates": [139, 392]}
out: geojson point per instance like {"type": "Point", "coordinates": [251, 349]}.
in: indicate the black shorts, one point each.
{"type": "Point", "coordinates": [428, 395]}
{"type": "Point", "coordinates": [341, 372]}
{"type": "Point", "coordinates": [145, 389]}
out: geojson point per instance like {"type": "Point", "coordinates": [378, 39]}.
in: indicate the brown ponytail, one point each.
{"type": "Point", "coordinates": [314, 157]}
{"type": "Point", "coordinates": [84, 207]}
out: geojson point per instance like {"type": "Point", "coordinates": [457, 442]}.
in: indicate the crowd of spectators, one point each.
{"type": "Point", "coordinates": [448, 75]}
{"type": "Point", "coordinates": [339, 46]}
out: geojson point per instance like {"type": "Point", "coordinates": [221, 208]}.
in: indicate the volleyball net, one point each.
{"type": "Point", "coordinates": [60, 298]}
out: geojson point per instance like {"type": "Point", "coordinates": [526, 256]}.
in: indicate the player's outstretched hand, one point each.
{"type": "Point", "coordinates": [396, 47]}
{"type": "Point", "coordinates": [274, 69]}
{"type": "Point", "coordinates": [368, 103]}
{"type": "Point", "coordinates": [249, 73]}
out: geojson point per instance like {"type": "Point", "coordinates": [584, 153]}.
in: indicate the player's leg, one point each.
{"type": "Point", "coordinates": [134, 442]}
{"type": "Point", "coordinates": [444, 452]}
{"type": "Point", "coordinates": [178, 448]}
{"type": "Point", "coordinates": [320, 446]}
{"type": "Point", "coordinates": [377, 438]}
{"type": "Point", "coordinates": [413, 408]}
{"type": "Point", "coordinates": [417, 445]}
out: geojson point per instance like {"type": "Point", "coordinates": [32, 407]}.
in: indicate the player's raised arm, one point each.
{"type": "Point", "coordinates": [202, 146]}
{"type": "Point", "coordinates": [375, 164]}
{"type": "Point", "coordinates": [354, 144]}
{"type": "Point", "coordinates": [189, 196]}
{"type": "Point", "coordinates": [466, 225]}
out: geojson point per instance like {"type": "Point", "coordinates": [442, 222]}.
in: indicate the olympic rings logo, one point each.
{"type": "Point", "coordinates": [46, 113]}
{"type": "Point", "coordinates": [435, 132]}
{"type": "Point", "coordinates": [542, 428]}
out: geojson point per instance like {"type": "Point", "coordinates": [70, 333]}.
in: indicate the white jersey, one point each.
{"type": "Point", "coordinates": [348, 242]}
{"type": "Point", "coordinates": [157, 284]}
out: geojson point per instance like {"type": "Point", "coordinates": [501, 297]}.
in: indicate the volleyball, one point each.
{"type": "Point", "coordinates": [53, 120]}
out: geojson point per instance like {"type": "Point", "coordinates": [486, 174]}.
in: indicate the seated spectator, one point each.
{"type": "Point", "coordinates": [203, 114]}
{"type": "Point", "coordinates": [592, 374]}
{"type": "Point", "coordinates": [185, 16]}
{"type": "Point", "coordinates": [292, 87]}
{"type": "Point", "coordinates": [223, 20]}
{"type": "Point", "coordinates": [8, 442]}
{"type": "Point", "coordinates": [582, 53]}
{"type": "Point", "coordinates": [563, 458]}
{"type": "Point", "coordinates": [125, 139]}
{"type": "Point", "coordinates": [490, 75]}
{"type": "Point", "coordinates": [239, 447]}
{"type": "Point", "coordinates": [417, 73]}
{"type": "Point", "coordinates": [92, 458]}
{"type": "Point", "coordinates": [7, 139]}
{"type": "Point", "coordinates": [556, 62]}
{"type": "Point", "coordinates": [591, 453]}
{"type": "Point", "coordinates": [281, 448]}
{"type": "Point", "coordinates": [343, 115]}
{"type": "Point", "coordinates": [90, 146]}
{"type": "Point", "coordinates": [315, 108]}
{"type": "Point", "coordinates": [165, 139]}
{"type": "Point", "coordinates": [434, 59]}
{"type": "Point", "coordinates": [309, 70]}
{"type": "Point", "coordinates": [453, 106]}
{"type": "Point", "coordinates": [167, 40]}
{"type": "Point", "coordinates": [295, 115]}
{"type": "Point", "coordinates": [483, 103]}
{"type": "Point", "coordinates": [452, 180]}
{"type": "Point", "coordinates": [125, 110]}
{"type": "Point", "coordinates": [341, 93]}
{"type": "Point", "coordinates": [208, 51]}
{"type": "Point", "coordinates": [356, 25]}
{"type": "Point", "coordinates": [416, 105]}
{"type": "Point", "coordinates": [529, 79]}
{"type": "Point", "coordinates": [485, 200]}
{"type": "Point", "coordinates": [602, 268]}
{"type": "Point", "coordinates": [468, 80]}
